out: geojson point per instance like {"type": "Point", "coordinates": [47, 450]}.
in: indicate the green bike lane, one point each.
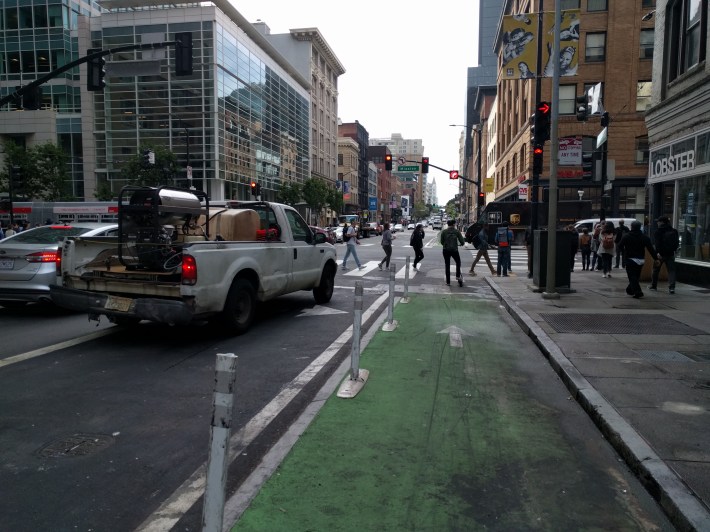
{"type": "Point", "coordinates": [462, 425]}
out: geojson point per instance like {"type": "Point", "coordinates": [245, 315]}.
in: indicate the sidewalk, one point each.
{"type": "Point", "coordinates": [462, 425]}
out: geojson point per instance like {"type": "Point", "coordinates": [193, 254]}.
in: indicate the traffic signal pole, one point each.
{"type": "Point", "coordinates": [30, 87]}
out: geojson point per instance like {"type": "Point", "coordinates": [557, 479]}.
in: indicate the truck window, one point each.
{"type": "Point", "coordinates": [300, 230]}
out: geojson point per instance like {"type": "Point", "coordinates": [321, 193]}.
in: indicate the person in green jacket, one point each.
{"type": "Point", "coordinates": [451, 238]}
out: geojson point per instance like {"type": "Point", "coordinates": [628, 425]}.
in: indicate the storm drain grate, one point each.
{"type": "Point", "coordinates": [663, 356]}
{"type": "Point", "coordinates": [618, 324]}
{"type": "Point", "coordinates": [75, 445]}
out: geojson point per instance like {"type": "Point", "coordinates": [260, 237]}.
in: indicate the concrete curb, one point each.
{"type": "Point", "coordinates": [683, 508]}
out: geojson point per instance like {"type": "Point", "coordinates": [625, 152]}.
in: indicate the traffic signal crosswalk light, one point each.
{"type": "Point", "coordinates": [95, 71]}
{"type": "Point", "coordinates": [541, 123]}
{"type": "Point", "coordinates": [388, 161]}
{"type": "Point", "coordinates": [453, 174]}
{"type": "Point", "coordinates": [583, 107]}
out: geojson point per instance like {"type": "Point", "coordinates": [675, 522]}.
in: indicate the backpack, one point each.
{"type": "Point", "coordinates": [476, 240]}
{"type": "Point", "coordinates": [585, 240]}
{"type": "Point", "coordinates": [346, 236]}
{"type": "Point", "coordinates": [451, 241]}
{"type": "Point", "coordinates": [669, 242]}
{"type": "Point", "coordinates": [608, 240]}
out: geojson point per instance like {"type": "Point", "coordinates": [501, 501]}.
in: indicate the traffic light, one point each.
{"type": "Point", "coordinates": [481, 199]}
{"type": "Point", "coordinates": [541, 123]}
{"type": "Point", "coordinates": [258, 189]}
{"type": "Point", "coordinates": [16, 181]}
{"type": "Point", "coordinates": [388, 161]}
{"type": "Point", "coordinates": [425, 165]}
{"type": "Point", "coordinates": [453, 174]}
{"type": "Point", "coordinates": [32, 99]}
{"type": "Point", "coordinates": [183, 54]}
{"type": "Point", "coordinates": [605, 119]}
{"type": "Point", "coordinates": [95, 71]}
{"type": "Point", "coordinates": [537, 159]}
{"type": "Point", "coordinates": [254, 188]}
{"type": "Point", "coordinates": [583, 107]}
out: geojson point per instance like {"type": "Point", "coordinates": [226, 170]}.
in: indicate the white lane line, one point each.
{"type": "Point", "coordinates": [170, 512]}
{"type": "Point", "coordinates": [56, 347]}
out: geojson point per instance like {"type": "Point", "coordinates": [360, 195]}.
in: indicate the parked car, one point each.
{"type": "Point", "coordinates": [338, 232]}
{"type": "Point", "coordinates": [397, 228]}
{"type": "Point", "coordinates": [328, 232]}
{"type": "Point", "coordinates": [411, 226]}
{"type": "Point", "coordinates": [28, 260]}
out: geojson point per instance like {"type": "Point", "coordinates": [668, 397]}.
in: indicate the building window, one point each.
{"type": "Point", "coordinates": [566, 101]}
{"type": "Point", "coordinates": [632, 198]}
{"type": "Point", "coordinates": [643, 95]}
{"type": "Point", "coordinates": [569, 4]}
{"type": "Point", "coordinates": [595, 49]}
{"type": "Point", "coordinates": [596, 5]}
{"type": "Point", "coordinates": [646, 44]}
{"type": "Point", "coordinates": [687, 26]}
{"type": "Point", "coordinates": [648, 3]}
{"type": "Point", "coordinates": [641, 150]}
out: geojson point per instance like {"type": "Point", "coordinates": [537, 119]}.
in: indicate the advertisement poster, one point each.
{"type": "Point", "coordinates": [519, 46]}
{"type": "Point", "coordinates": [570, 151]}
{"type": "Point", "coordinates": [569, 43]}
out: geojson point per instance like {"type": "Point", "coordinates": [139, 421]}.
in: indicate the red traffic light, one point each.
{"type": "Point", "coordinates": [537, 150]}
{"type": "Point", "coordinates": [543, 107]}
{"type": "Point", "coordinates": [481, 194]}
{"type": "Point", "coordinates": [453, 174]}
{"type": "Point", "coordinates": [388, 157]}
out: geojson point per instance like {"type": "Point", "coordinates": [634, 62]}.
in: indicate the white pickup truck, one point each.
{"type": "Point", "coordinates": [177, 259]}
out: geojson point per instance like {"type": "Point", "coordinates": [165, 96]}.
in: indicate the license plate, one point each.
{"type": "Point", "coordinates": [121, 304]}
{"type": "Point", "coordinates": [7, 264]}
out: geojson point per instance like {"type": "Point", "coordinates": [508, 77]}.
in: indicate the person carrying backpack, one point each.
{"type": "Point", "coordinates": [585, 246]}
{"type": "Point", "coordinates": [417, 243]}
{"type": "Point", "coordinates": [482, 250]}
{"type": "Point", "coordinates": [504, 238]}
{"type": "Point", "coordinates": [451, 238]}
{"type": "Point", "coordinates": [387, 238]}
{"type": "Point", "coordinates": [665, 239]}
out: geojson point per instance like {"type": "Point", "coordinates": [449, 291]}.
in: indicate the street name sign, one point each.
{"type": "Point", "coordinates": [408, 168]}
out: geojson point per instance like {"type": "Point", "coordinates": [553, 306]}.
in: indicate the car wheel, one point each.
{"type": "Point", "coordinates": [240, 307]}
{"type": "Point", "coordinates": [324, 291]}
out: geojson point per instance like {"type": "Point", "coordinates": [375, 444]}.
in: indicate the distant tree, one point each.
{"type": "Point", "coordinates": [420, 210]}
{"type": "Point", "coordinates": [104, 192]}
{"type": "Point", "coordinates": [335, 200]}
{"type": "Point", "coordinates": [44, 171]}
{"type": "Point", "coordinates": [290, 193]}
{"type": "Point", "coordinates": [315, 194]}
{"type": "Point", "coordinates": [164, 172]}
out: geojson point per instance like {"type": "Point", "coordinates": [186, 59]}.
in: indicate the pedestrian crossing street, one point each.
{"type": "Point", "coordinates": [519, 264]}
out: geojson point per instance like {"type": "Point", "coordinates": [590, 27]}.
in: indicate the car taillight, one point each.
{"type": "Point", "coordinates": [42, 256]}
{"type": "Point", "coordinates": [189, 270]}
{"type": "Point", "coordinates": [58, 263]}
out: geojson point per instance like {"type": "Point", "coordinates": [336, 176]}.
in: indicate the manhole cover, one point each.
{"type": "Point", "coordinates": [663, 356]}
{"type": "Point", "coordinates": [75, 445]}
{"type": "Point", "coordinates": [618, 324]}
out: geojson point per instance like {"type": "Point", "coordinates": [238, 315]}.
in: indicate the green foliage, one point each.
{"type": "Point", "coordinates": [104, 191]}
{"type": "Point", "coordinates": [335, 200]}
{"type": "Point", "coordinates": [290, 193]}
{"type": "Point", "coordinates": [420, 210]}
{"type": "Point", "coordinates": [45, 175]}
{"type": "Point", "coordinates": [164, 172]}
{"type": "Point", "coordinates": [315, 194]}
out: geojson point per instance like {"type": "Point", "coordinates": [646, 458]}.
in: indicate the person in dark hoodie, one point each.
{"type": "Point", "coordinates": [632, 245]}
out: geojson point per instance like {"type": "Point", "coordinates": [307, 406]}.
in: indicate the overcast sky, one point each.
{"type": "Point", "coordinates": [405, 63]}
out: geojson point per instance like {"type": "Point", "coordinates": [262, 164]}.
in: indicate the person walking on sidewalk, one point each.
{"type": "Point", "coordinates": [351, 242]}
{"type": "Point", "coordinates": [387, 238]}
{"type": "Point", "coordinates": [504, 237]}
{"type": "Point", "coordinates": [666, 241]}
{"type": "Point", "coordinates": [417, 243]}
{"type": "Point", "coordinates": [619, 234]}
{"type": "Point", "coordinates": [585, 246]}
{"type": "Point", "coordinates": [482, 251]}
{"type": "Point", "coordinates": [633, 246]}
{"type": "Point", "coordinates": [595, 248]}
{"type": "Point", "coordinates": [451, 238]}
{"type": "Point", "coordinates": [607, 248]}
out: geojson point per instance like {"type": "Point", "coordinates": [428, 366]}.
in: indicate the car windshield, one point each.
{"type": "Point", "coordinates": [49, 234]}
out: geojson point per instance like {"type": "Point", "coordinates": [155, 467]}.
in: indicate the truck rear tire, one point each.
{"type": "Point", "coordinates": [240, 307]}
{"type": "Point", "coordinates": [324, 291]}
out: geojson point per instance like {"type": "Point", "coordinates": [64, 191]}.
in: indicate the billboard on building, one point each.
{"type": "Point", "coordinates": [569, 43]}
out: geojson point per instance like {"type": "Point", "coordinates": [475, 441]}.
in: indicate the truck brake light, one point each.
{"type": "Point", "coordinates": [58, 262]}
{"type": "Point", "coordinates": [189, 270]}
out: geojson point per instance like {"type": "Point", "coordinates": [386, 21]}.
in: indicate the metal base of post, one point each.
{"type": "Point", "coordinates": [350, 387]}
{"type": "Point", "coordinates": [550, 295]}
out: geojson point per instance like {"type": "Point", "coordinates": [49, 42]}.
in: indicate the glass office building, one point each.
{"type": "Point", "coordinates": [37, 37]}
{"type": "Point", "coordinates": [240, 117]}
